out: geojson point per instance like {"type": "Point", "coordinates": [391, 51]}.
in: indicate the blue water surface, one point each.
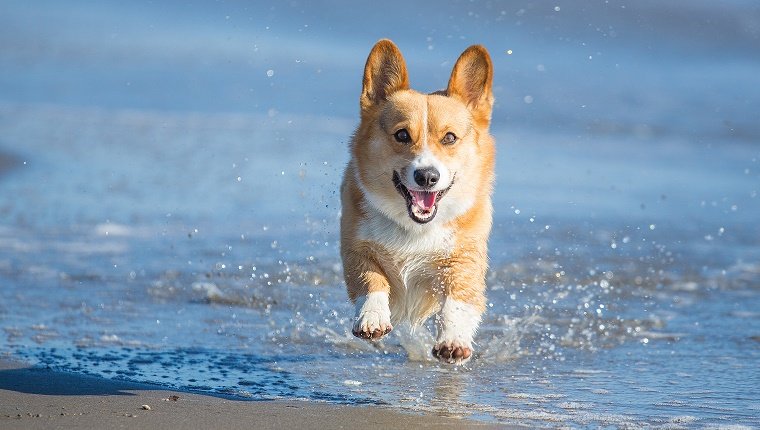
{"type": "Point", "coordinates": [169, 208]}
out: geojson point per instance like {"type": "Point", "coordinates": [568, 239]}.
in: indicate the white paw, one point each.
{"type": "Point", "coordinates": [373, 316]}
{"type": "Point", "coordinates": [457, 324]}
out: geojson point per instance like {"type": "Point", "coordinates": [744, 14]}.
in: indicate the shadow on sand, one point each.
{"type": "Point", "coordinates": [48, 382]}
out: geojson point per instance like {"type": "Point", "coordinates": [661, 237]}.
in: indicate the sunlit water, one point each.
{"type": "Point", "coordinates": [148, 237]}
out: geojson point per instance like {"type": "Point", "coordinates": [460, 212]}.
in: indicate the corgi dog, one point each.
{"type": "Point", "coordinates": [416, 201]}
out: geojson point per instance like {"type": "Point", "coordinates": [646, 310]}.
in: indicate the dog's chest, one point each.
{"type": "Point", "coordinates": [431, 240]}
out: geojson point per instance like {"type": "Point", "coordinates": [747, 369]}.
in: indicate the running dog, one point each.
{"type": "Point", "coordinates": [416, 201]}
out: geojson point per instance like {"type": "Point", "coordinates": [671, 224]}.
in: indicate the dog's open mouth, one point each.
{"type": "Point", "coordinates": [421, 205]}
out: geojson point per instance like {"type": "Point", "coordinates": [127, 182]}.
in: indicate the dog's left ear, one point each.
{"type": "Point", "coordinates": [471, 82]}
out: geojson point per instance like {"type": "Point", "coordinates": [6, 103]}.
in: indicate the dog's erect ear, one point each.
{"type": "Point", "coordinates": [471, 82]}
{"type": "Point", "coordinates": [384, 73]}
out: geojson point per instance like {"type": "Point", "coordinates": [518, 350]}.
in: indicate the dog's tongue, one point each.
{"type": "Point", "coordinates": [425, 200]}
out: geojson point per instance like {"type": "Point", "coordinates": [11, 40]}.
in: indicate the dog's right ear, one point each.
{"type": "Point", "coordinates": [384, 74]}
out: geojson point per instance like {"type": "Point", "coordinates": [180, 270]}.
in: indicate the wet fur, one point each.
{"type": "Point", "coordinates": [425, 269]}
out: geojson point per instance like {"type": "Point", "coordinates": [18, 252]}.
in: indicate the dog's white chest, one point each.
{"type": "Point", "coordinates": [430, 239]}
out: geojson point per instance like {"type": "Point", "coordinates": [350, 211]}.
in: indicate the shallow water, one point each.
{"type": "Point", "coordinates": [149, 234]}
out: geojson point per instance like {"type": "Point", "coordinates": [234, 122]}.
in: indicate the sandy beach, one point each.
{"type": "Point", "coordinates": [32, 398]}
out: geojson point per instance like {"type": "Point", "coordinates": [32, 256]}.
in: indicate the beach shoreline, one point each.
{"type": "Point", "coordinates": [38, 398]}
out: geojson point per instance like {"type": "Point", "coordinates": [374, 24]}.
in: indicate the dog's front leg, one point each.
{"type": "Point", "coordinates": [369, 289]}
{"type": "Point", "coordinates": [457, 323]}
{"type": "Point", "coordinates": [462, 306]}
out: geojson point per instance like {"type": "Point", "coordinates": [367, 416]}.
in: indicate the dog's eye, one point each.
{"type": "Point", "coordinates": [449, 139]}
{"type": "Point", "coordinates": [402, 136]}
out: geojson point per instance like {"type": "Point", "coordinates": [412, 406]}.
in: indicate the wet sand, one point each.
{"type": "Point", "coordinates": [32, 398]}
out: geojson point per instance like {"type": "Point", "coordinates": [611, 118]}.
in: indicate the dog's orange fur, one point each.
{"type": "Point", "coordinates": [419, 265]}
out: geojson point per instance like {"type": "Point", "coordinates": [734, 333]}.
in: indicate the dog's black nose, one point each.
{"type": "Point", "coordinates": [426, 177]}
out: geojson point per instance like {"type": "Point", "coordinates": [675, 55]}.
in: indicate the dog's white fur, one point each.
{"type": "Point", "coordinates": [373, 313]}
{"type": "Point", "coordinates": [457, 323]}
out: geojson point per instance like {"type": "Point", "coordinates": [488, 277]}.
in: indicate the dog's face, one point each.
{"type": "Point", "coordinates": [419, 156]}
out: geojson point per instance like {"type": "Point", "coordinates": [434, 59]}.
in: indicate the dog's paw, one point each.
{"type": "Point", "coordinates": [371, 332]}
{"type": "Point", "coordinates": [373, 317]}
{"type": "Point", "coordinates": [457, 323]}
{"type": "Point", "coordinates": [452, 352]}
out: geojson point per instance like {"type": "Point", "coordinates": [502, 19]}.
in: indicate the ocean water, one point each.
{"type": "Point", "coordinates": [169, 208]}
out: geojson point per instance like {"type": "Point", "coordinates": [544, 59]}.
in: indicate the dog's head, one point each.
{"type": "Point", "coordinates": [422, 157]}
